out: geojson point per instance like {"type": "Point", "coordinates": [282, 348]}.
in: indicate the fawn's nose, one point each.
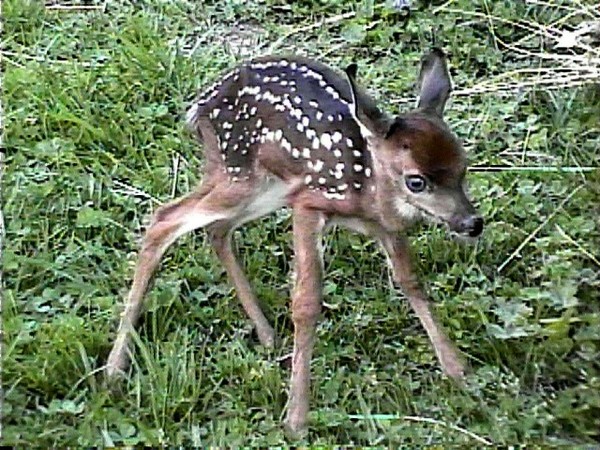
{"type": "Point", "coordinates": [472, 225]}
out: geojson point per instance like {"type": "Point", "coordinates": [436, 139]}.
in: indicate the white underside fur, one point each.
{"type": "Point", "coordinates": [270, 198]}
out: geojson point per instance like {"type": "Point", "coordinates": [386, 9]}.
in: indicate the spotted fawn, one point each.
{"type": "Point", "coordinates": [291, 132]}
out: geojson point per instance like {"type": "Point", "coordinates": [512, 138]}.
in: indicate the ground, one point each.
{"type": "Point", "coordinates": [93, 104]}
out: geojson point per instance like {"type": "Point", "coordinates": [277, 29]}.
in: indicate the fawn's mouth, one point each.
{"type": "Point", "coordinates": [464, 227]}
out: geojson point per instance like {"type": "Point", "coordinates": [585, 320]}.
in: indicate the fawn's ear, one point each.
{"type": "Point", "coordinates": [435, 84]}
{"type": "Point", "coordinates": [371, 121]}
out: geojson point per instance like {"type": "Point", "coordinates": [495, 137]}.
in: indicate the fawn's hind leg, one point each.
{"type": "Point", "coordinates": [196, 210]}
{"type": "Point", "coordinates": [268, 196]}
{"type": "Point", "coordinates": [221, 241]}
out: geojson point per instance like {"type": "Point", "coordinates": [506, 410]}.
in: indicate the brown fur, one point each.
{"type": "Point", "coordinates": [433, 150]}
{"type": "Point", "coordinates": [355, 175]}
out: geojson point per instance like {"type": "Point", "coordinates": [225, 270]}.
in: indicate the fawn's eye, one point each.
{"type": "Point", "coordinates": [415, 183]}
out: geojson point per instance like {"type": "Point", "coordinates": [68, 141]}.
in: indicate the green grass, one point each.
{"type": "Point", "coordinates": [94, 137]}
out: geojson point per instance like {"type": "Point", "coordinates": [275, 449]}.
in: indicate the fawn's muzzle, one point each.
{"type": "Point", "coordinates": [471, 225]}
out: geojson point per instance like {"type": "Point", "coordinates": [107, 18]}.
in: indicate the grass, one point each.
{"type": "Point", "coordinates": [93, 101]}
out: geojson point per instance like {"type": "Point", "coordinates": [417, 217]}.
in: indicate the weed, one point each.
{"type": "Point", "coordinates": [93, 105]}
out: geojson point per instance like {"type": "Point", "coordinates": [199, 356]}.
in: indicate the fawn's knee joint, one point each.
{"type": "Point", "coordinates": [306, 312]}
{"type": "Point", "coordinates": [217, 238]}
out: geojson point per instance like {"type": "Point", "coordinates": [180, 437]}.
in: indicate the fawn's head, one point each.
{"type": "Point", "coordinates": [418, 155]}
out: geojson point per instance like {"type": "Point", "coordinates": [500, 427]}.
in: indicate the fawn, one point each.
{"type": "Point", "coordinates": [290, 131]}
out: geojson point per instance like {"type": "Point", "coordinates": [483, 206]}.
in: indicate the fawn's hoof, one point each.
{"type": "Point", "coordinates": [117, 364]}
{"type": "Point", "coordinates": [113, 377]}
{"type": "Point", "coordinates": [295, 432]}
{"type": "Point", "coordinates": [455, 369]}
{"type": "Point", "coordinates": [267, 337]}
{"type": "Point", "coordinates": [112, 372]}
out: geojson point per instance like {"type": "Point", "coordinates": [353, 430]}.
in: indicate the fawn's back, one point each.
{"type": "Point", "coordinates": [297, 104]}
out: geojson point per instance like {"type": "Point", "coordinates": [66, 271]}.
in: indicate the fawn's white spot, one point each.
{"type": "Point", "coordinates": [316, 143]}
{"type": "Point", "coordinates": [337, 153]}
{"type": "Point", "coordinates": [322, 180]}
{"type": "Point", "coordinates": [357, 167]}
{"type": "Point", "coordinates": [357, 153]}
{"type": "Point", "coordinates": [306, 153]}
{"type": "Point", "coordinates": [349, 142]}
{"type": "Point", "coordinates": [286, 102]}
{"type": "Point", "coordinates": [331, 91]}
{"type": "Point", "coordinates": [330, 117]}
{"type": "Point", "coordinates": [309, 73]}
{"type": "Point", "coordinates": [251, 90]}
{"type": "Point", "coordinates": [192, 112]}
{"type": "Point", "coordinates": [310, 133]}
{"type": "Point", "coordinates": [297, 100]}
{"type": "Point", "coordinates": [305, 121]}
{"type": "Point", "coordinates": [368, 172]}
{"type": "Point", "coordinates": [286, 144]}
{"type": "Point", "coordinates": [308, 179]}
{"type": "Point", "coordinates": [319, 114]}
{"type": "Point", "coordinates": [314, 103]}
{"type": "Point", "coordinates": [334, 196]}
{"type": "Point", "coordinates": [264, 65]}
{"type": "Point", "coordinates": [315, 166]}
{"type": "Point", "coordinates": [296, 113]}
{"type": "Point", "coordinates": [271, 98]}
{"type": "Point", "coordinates": [336, 137]}
{"type": "Point", "coordinates": [338, 173]}
{"type": "Point", "coordinates": [326, 140]}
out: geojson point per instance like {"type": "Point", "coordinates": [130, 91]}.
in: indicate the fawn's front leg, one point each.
{"type": "Point", "coordinates": [399, 258]}
{"type": "Point", "coordinates": [306, 307]}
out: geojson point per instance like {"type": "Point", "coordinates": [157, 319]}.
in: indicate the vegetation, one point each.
{"type": "Point", "coordinates": [94, 98]}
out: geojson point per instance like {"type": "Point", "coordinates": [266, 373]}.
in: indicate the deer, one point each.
{"type": "Point", "coordinates": [292, 132]}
